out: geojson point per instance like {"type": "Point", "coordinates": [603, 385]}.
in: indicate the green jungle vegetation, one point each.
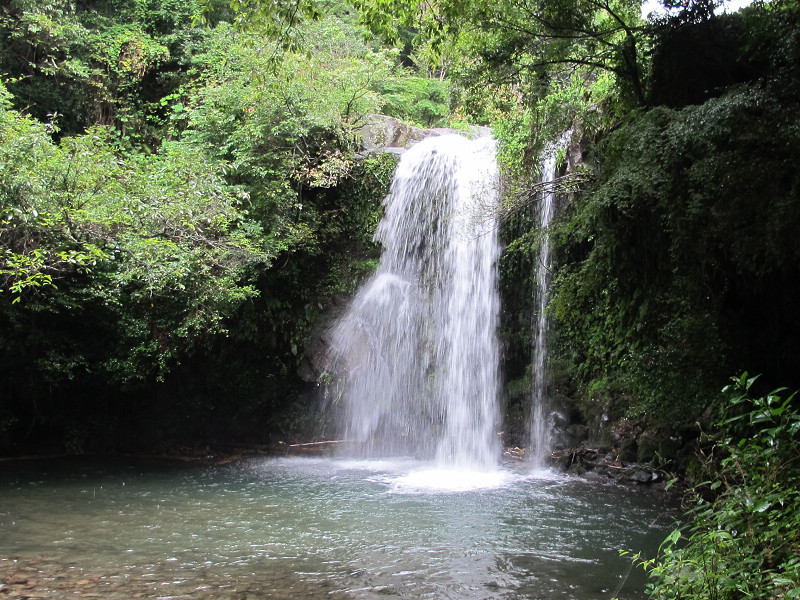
{"type": "Point", "coordinates": [741, 535]}
{"type": "Point", "coordinates": [183, 203]}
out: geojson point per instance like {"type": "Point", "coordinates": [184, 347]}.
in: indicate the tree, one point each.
{"type": "Point", "coordinates": [141, 232]}
{"type": "Point", "coordinates": [104, 64]}
{"type": "Point", "coordinates": [278, 20]}
{"type": "Point", "coordinates": [129, 269]}
{"type": "Point", "coordinates": [519, 40]}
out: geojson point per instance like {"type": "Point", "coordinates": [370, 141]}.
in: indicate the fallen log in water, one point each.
{"type": "Point", "coordinates": [318, 448]}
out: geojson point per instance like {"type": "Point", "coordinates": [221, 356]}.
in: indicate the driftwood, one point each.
{"type": "Point", "coordinates": [323, 443]}
{"type": "Point", "coordinates": [315, 447]}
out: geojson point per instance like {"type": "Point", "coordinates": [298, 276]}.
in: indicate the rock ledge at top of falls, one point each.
{"type": "Point", "coordinates": [381, 133]}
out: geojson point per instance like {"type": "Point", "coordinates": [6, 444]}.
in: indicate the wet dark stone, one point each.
{"type": "Point", "coordinates": [648, 446]}
{"type": "Point", "coordinates": [641, 475]}
{"type": "Point", "coordinates": [628, 449]}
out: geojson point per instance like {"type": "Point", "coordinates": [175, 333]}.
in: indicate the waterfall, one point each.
{"type": "Point", "coordinates": [417, 349]}
{"type": "Point", "coordinates": [540, 425]}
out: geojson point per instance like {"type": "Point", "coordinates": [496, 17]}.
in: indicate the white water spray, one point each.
{"type": "Point", "coordinates": [417, 348]}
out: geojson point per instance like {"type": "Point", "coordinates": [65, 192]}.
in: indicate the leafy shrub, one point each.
{"type": "Point", "coordinates": [421, 100]}
{"type": "Point", "coordinates": [742, 539]}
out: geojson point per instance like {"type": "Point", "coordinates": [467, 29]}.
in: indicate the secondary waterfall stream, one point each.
{"type": "Point", "coordinates": [541, 426]}
{"type": "Point", "coordinates": [417, 348]}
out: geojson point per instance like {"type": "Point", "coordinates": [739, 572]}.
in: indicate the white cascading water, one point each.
{"type": "Point", "coordinates": [416, 351]}
{"type": "Point", "coordinates": [541, 425]}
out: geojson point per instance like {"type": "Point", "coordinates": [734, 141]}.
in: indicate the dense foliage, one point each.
{"type": "Point", "coordinates": [179, 204]}
{"type": "Point", "coordinates": [679, 228]}
{"type": "Point", "coordinates": [679, 263]}
{"type": "Point", "coordinates": [676, 256]}
{"type": "Point", "coordinates": [742, 535]}
{"type": "Point", "coordinates": [161, 234]}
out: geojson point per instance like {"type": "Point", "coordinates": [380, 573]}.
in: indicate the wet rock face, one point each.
{"type": "Point", "coordinates": [317, 357]}
{"type": "Point", "coordinates": [381, 133]}
{"type": "Point", "coordinates": [384, 134]}
{"type": "Point", "coordinates": [628, 450]}
{"type": "Point", "coordinates": [606, 462]}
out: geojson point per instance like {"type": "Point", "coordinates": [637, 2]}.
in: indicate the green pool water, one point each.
{"type": "Point", "coordinates": [319, 528]}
